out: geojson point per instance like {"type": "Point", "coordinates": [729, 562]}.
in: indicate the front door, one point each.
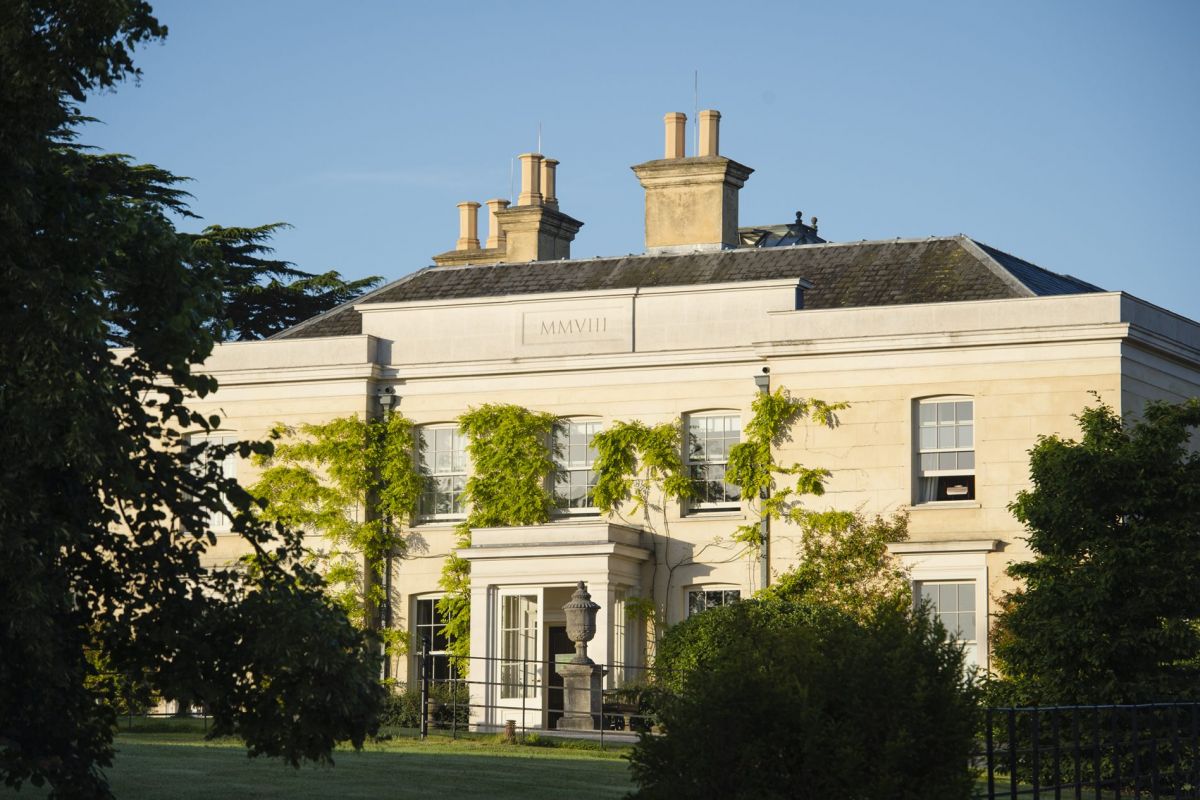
{"type": "Point", "coordinates": [560, 644]}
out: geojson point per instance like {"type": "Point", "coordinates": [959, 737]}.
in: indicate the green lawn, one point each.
{"type": "Point", "coordinates": [181, 766]}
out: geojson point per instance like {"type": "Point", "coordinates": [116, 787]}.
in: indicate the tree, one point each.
{"type": "Point", "coordinates": [263, 295]}
{"type": "Point", "coordinates": [774, 699]}
{"type": "Point", "coordinates": [104, 503]}
{"type": "Point", "coordinates": [1109, 609]}
{"type": "Point", "coordinates": [844, 563]}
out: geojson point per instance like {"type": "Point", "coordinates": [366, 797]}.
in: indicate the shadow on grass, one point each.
{"type": "Point", "coordinates": [178, 766]}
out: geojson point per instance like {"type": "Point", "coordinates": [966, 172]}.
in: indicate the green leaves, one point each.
{"type": "Point", "coordinates": [771, 699]}
{"type": "Point", "coordinates": [105, 507]}
{"type": "Point", "coordinates": [632, 459]}
{"type": "Point", "coordinates": [752, 466]}
{"type": "Point", "coordinates": [354, 482]}
{"type": "Point", "coordinates": [845, 563]}
{"type": "Point", "coordinates": [511, 466]}
{"type": "Point", "coordinates": [1109, 610]}
{"type": "Point", "coordinates": [264, 295]}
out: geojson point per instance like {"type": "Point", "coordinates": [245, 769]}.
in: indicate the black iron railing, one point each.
{"type": "Point", "coordinates": [1149, 750]}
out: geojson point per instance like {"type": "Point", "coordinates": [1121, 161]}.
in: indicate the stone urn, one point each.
{"type": "Point", "coordinates": [581, 622]}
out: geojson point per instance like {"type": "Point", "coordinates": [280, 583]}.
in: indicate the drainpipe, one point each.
{"type": "Point", "coordinates": [387, 396]}
{"type": "Point", "coordinates": [763, 382]}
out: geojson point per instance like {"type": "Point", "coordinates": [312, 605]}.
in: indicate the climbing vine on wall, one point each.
{"type": "Point", "coordinates": [642, 465]}
{"type": "Point", "coordinates": [752, 466]}
{"type": "Point", "coordinates": [511, 466]}
{"type": "Point", "coordinates": [354, 482]}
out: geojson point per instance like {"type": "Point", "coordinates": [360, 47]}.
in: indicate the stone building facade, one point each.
{"type": "Point", "coordinates": [954, 356]}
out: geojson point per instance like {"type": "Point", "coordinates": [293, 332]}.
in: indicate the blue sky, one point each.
{"type": "Point", "coordinates": [1067, 133]}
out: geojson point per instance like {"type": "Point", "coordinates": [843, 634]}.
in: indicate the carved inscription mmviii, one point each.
{"type": "Point", "coordinates": [569, 327]}
{"type": "Point", "coordinates": [576, 326]}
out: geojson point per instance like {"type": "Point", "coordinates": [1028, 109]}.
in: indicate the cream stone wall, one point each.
{"type": "Point", "coordinates": [658, 355]}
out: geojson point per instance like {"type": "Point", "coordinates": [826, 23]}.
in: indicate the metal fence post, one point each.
{"type": "Point", "coordinates": [991, 758]}
{"type": "Point", "coordinates": [424, 670]}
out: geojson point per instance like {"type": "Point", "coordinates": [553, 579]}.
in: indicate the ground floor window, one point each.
{"type": "Point", "coordinates": [620, 643]}
{"type": "Point", "coordinates": [704, 599]}
{"type": "Point", "coordinates": [518, 646]}
{"type": "Point", "coordinates": [953, 602]}
{"type": "Point", "coordinates": [431, 627]}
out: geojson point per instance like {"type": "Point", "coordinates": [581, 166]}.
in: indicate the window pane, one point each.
{"type": "Point", "coordinates": [928, 413]}
{"type": "Point", "coordinates": [928, 438]}
{"type": "Point", "coordinates": [965, 436]}
{"type": "Point", "coordinates": [966, 459]}
{"type": "Point", "coordinates": [945, 412]}
{"type": "Point", "coordinates": [964, 410]}
{"type": "Point", "coordinates": [947, 461]}
{"type": "Point", "coordinates": [966, 596]}
{"type": "Point", "coordinates": [945, 438]}
{"type": "Point", "coordinates": [929, 461]}
{"type": "Point", "coordinates": [947, 598]}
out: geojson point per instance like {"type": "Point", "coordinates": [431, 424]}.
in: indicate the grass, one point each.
{"type": "Point", "coordinates": [168, 760]}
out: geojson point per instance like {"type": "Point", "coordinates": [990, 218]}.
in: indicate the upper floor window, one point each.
{"type": "Point", "coordinates": [946, 449]}
{"type": "Point", "coordinates": [444, 462]}
{"type": "Point", "coordinates": [709, 439]}
{"type": "Point", "coordinates": [704, 599]}
{"type": "Point", "coordinates": [218, 520]}
{"type": "Point", "coordinates": [574, 480]}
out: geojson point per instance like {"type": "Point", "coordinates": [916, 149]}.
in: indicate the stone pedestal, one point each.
{"type": "Point", "coordinates": [582, 696]}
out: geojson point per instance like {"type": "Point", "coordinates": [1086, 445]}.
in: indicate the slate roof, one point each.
{"type": "Point", "coordinates": [894, 272]}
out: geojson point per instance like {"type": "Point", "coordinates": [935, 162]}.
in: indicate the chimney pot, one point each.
{"type": "Point", "coordinates": [549, 167]}
{"type": "Point", "coordinates": [676, 123]}
{"type": "Point", "coordinates": [531, 180]}
{"type": "Point", "coordinates": [496, 238]}
{"type": "Point", "coordinates": [468, 226]}
{"type": "Point", "coordinates": [710, 132]}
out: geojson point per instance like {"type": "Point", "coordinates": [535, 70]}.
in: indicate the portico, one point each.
{"type": "Point", "coordinates": [521, 577]}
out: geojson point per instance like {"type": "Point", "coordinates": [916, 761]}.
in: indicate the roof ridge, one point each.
{"type": "Point", "coordinates": [1002, 272]}
{"type": "Point", "coordinates": [348, 304]}
{"type": "Point", "coordinates": [593, 259]}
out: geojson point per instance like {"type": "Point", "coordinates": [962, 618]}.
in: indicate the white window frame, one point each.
{"type": "Point", "coordinates": [919, 452]}
{"type": "Point", "coordinates": [529, 666]}
{"type": "Point", "coordinates": [432, 474]}
{"type": "Point", "coordinates": [564, 465]}
{"type": "Point", "coordinates": [692, 464]}
{"type": "Point", "coordinates": [620, 639]}
{"type": "Point", "coordinates": [219, 522]}
{"type": "Point", "coordinates": [706, 589]}
{"type": "Point", "coordinates": [953, 562]}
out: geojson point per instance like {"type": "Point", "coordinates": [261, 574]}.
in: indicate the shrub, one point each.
{"type": "Point", "coordinates": [402, 709]}
{"type": "Point", "coordinates": [771, 699]}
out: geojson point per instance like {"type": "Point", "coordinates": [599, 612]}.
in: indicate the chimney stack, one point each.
{"type": "Point", "coordinates": [676, 123]}
{"type": "Point", "coordinates": [468, 226]}
{"type": "Point", "coordinates": [495, 234]}
{"type": "Point", "coordinates": [710, 124]}
{"type": "Point", "coordinates": [692, 203]}
{"type": "Point", "coordinates": [532, 230]}
{"type": "Point", "coordinates": [549, 165]}
{"type": "Point", "coordinates": [531, 180]}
